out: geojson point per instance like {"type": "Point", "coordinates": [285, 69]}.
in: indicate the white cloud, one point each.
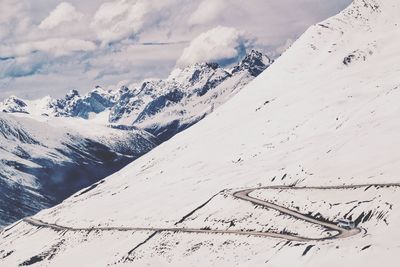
{"type": "Point", "coordinates": [220, 44]}
{"type": "Point", "coordinates": [123, 19]}
{"type": "Point", "coordinates": [64, 12]}
{"type": "Point", "coordinates": [54, 46]}
{"type": "Point", "coordinates": [208, 11]}
{"type": "Point", "coordinates": [14, 19]}
{"type": "Point", "coordinates": [120, 19]}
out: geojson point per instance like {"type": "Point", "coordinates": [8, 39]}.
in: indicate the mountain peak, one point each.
{"type": "Point", "coordinates": [254, 62]}
{"type": "Point", "coordinates": [72, 94]}
{"type": "Point", "coordinates": [13, 105]}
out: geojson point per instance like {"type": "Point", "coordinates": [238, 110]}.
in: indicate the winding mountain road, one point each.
{"type": "Point", "coordinates": [245, 196]}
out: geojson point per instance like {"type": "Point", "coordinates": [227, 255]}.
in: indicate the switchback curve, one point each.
{"type": "Point", "coordinates": [245, 196]}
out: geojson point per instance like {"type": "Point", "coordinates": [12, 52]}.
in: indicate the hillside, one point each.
{"type": "Point", "coordinates": [44, 162]}
{"type": "Point", "coordinates": [51, 148]}
{"type": "Point", "coordinates": [321, 125]}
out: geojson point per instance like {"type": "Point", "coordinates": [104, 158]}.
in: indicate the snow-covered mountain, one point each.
{"type": "Point", "coordinates": [44, 162]}
{"type": "Point", "coordinates": [161, 107]}
{"type": "Point", "coordinates": [193, 93]}
{"type": "Point", "coordinates": [51, 148]}
{"type": "Point", "coordinates": [327, 128]}
{"type": "Point", "coordinates": [72, 105]}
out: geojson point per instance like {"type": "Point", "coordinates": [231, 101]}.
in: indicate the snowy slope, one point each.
{"type": "Point", "coordinates": [76, 129]}
{"type": "Point", "coordinates": [44, 162]}
{"type": "Point", "coordinates": [322, 116]}
{"type": "Point", "coordinates": [167, 107]}
{"type": "Point", "coordinates": [174, 112]}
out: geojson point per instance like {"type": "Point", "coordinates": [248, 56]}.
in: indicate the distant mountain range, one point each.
{"type": "Point", "coordinates": [51, 148]}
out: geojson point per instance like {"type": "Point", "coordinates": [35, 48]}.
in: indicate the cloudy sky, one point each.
{"type": "Point", "coordinates": [48, 47]}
